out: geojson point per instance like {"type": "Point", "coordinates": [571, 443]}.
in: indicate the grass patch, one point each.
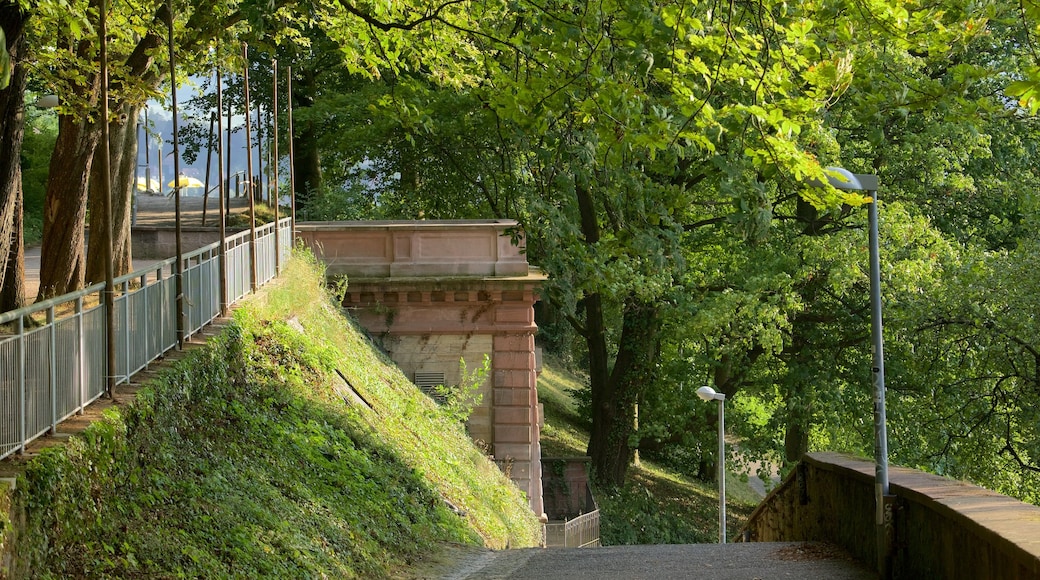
{"type": "Point", "coordinates": [657, 505]}
{"type": "Point", "coordinates": [566, 432]}
{"type": "Point", "coordinates": [246, 460]}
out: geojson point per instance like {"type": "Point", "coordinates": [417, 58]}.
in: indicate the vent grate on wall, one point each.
{"type": "Point", "coordinates": [427, 381]}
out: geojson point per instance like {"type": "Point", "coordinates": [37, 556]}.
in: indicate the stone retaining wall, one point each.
{"type": "Point", "coordinates": [943, 528]}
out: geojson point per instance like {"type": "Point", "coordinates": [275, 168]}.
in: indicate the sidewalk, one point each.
{"type": "Point", "coordinates": [153, 211]}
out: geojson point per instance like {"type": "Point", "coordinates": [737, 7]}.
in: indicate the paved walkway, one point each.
{"type": "Point", "coordinates": [156, 211]}
{"type": "Point", "coordinates": [788, 560]}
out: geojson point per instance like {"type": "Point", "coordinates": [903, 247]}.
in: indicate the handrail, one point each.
{"type": "Point", "coordinates": [60, 365]}
{"type": "Point", "coordinates": [12, 315]}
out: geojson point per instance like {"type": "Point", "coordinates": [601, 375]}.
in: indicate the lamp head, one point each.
{"type": "Point", "coordinates": [844, 179]}
{"type": "Point", "coordinates": [708, 394]}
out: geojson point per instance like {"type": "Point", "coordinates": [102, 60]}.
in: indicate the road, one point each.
{"type": "Point", "coordinates": [152, 211]}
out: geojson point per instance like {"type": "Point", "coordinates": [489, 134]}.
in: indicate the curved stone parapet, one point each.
{"type": "Point", "coordinates": [942, 528]}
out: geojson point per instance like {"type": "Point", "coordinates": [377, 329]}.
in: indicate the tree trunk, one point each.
{"type": "Point", "coordinates": [12, 127]}
{"type": "Point", "coordinates": [123, 135]}
{"type": "Point", "coordinates": [62, 263]}
{"type": "Point", "coordinates": [306, 156]}
{"type": "Point", "coordinates": [614, 392]}
{"type": "Point", "coordinates": [602, 395]}
{"type": "Point", "coordinates": [612, 426]}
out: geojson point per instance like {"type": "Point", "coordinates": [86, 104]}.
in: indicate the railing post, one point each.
{"type": "Point", "coordinates": [127, 359]}
{"type": "Point", "coordinates": [81, 357]}
{"type": "Point", "coordinates": [143, 281]}
{"type": "Point", "coordinates": [52, 379]}
{"type": "Point", "coordinates": [21, 382]}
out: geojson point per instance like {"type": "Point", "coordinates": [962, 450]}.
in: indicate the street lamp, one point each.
{"type": "Point", "coordinates": [708, 394]}
{"type": "Point", "coordinates": [843, 179]}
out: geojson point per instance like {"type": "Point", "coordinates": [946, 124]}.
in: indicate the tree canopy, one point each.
{"type": "Point", "coordinates": [658, 155]}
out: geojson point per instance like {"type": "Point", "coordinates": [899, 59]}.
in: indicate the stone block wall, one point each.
{"type": "Point", "coordinates": [943, 528]}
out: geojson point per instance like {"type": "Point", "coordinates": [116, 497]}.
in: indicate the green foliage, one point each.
{"type": "Point", "coordinates": [244, 460]}
{"type": "Point", "coordinates": [659, 504]}
{"type": "Point", "coordinates": [5, 517]}
{"type": "Point", "coordinates": [41, 131]}
{"type": "Point", "coordinates": [5, 62]}
{"type": "Point", "coordinates": [634, 515]}
{"type": "Point", "coordinates": [458, 401]}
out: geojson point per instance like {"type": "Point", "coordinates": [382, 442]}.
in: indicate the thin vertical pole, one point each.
{"type": "Point", "coordinates": [179, 270]}
{"type": "Point", "coordinates": [292, 159]}
{"type": "Point", "coordinates": [106, 207]}
{"type": "Point", "coordinates": [159, 158]}
{"type": "Point", "coordinates": [722, 467]}
{"type": "Point", "coordinates": [227, 171]}
{"type": "Point", "coordinates": [274, 168]}
{"type": "Point", "coordinates": [260, 153]}
{"type": "Point", "coordinates": [209, 162]}
{"type": "Point", "coordinates": [222, 256]}
{"type": "Point", "coordinates": [881, 488]}
{"type": "Point", "coordinates": [147, 152]}
{"type": "Point", "coordinates": [249, 169]}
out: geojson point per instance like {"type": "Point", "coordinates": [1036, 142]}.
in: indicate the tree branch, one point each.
{"type": "Point", "coordinates": [374, 22]}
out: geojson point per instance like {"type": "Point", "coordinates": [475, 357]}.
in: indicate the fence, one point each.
{"type": "Point", "coordinates": [579, 532]}
{"type": "Point", "coordinates": [54, 363]}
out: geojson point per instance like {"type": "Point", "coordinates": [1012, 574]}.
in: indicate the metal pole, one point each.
{"type": "Point", "coordinates": [147, 153]}
{"type": "Point", "coordinates": [249, 170]}
{"type": "Point", "coordinates": [179, 270]}
{"type": "Point", "coordinates": [209, 162]}
{"type": "Point", "coordinates": [292, 159]}
{"type": "Point", "coordinates": [882, 499]}
{"type": "Point", "coordinates": [722, 467]}
{"type": "Point", "coordinates": [274, 168]}
{"type": "Point", "coordinates": [260, 153]}
{"type": "Point", "coordinates": [106, 207]}
{"type": "Point", "coordinates": [222, 256]}
{"type": "Point", "coordinates": [227, 171]}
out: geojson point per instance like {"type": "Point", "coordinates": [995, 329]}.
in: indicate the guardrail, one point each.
{"type": "Point", "coordinates": [578, 532]}
{"type": "Point", "coordinates": [52, 354]}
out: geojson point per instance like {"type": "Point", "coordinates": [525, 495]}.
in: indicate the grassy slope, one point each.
{"type": "Point", "coordinates": [657, 505]}
{"type": "Point", "coordinates": [244, 460]}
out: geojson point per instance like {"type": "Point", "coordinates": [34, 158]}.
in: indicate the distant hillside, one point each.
{"type": "Point", "coordinates": [286, 448]}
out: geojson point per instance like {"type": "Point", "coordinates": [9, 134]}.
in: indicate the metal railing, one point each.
{"type": "Point", "coordinates": [52, 354]}
{"type": "Point", "coordinates": [578, 532]}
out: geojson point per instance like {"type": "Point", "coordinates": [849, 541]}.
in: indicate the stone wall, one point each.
{"type": "Point", "coordinates": [152, 242]}
{"type": "Point", "coordinates": [943, 528]}
{"type": "Point", "coordinates": [565, 487]}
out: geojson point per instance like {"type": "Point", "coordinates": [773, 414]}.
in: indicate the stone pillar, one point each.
{"type": "Point", "coordinates": [516, 422]}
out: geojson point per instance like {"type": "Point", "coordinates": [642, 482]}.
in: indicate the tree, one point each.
{"type": "Point", "coordinates": [784, 323]}
{"type": "Point", "coordinates": [13, 19]}
{"type": "Point", "coordinates": [646, 121]}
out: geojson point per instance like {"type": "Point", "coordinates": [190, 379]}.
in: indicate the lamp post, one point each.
{"type": "Point", "coordinates": [843, 179]}
{"type": "Point", "coordinates": [708, 394]}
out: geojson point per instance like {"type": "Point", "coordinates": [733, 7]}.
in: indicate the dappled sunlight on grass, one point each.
{"type": "Point", "coordinates": [657, 505]}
